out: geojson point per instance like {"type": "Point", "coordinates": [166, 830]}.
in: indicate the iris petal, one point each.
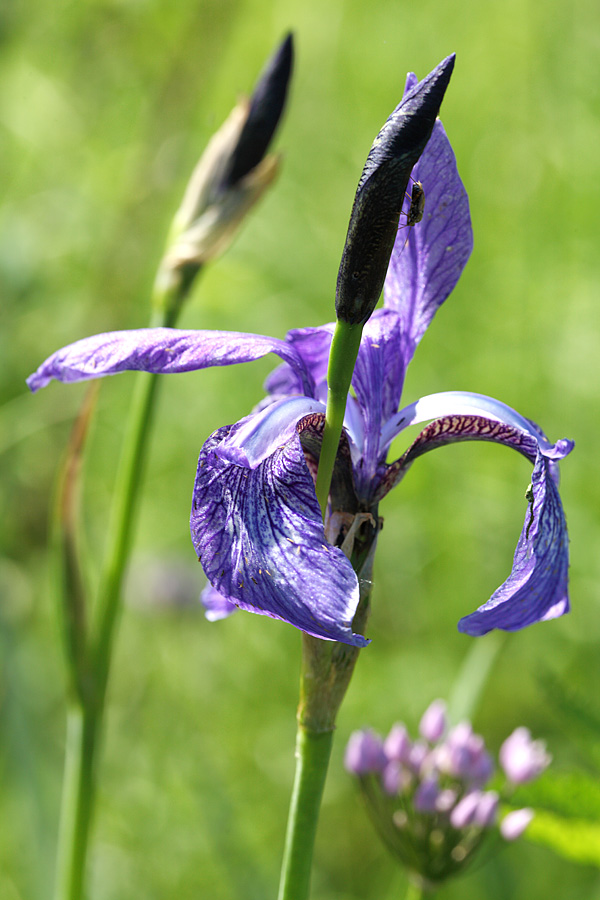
{"type": "Point", "coordinates": [464, 403]}
{"type": "Point", "coordinates": [536, 589]}
{"type": "Point", "coordinates": [162, 350]}
{"type": "Point", "coordinates": [537, 586]}
{"type": "Point", "coordinates": [259, 535]}
{"type": "Point", "coordinates": [257, 436]}
{"type": "Point", "coordinates": [424, 271]}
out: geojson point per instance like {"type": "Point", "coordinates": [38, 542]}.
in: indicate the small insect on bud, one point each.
{"type": "Point", "coordinates": [417, 205]}
{"type": "Point", "coordinates": [380, 194]}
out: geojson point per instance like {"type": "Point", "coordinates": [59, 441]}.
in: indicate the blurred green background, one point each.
{"type": "Point", "coordinates": [104, 108]}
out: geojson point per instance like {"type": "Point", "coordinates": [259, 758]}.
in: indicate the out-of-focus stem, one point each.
{"type": "Point", "coordinates": [86, 712]}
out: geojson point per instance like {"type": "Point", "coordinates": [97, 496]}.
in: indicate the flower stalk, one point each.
{"type": "Point", "coordinates": [228, 180]}
{"type": "Point", "coordinates": [342, 359]}
{"type": "Point", "coordinates": [327, 667]}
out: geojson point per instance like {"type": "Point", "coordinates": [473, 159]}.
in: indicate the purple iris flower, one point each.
{"type": "Point", "coordinates": [256, 524]}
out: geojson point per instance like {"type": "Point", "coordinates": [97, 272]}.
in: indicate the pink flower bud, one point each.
{"type": "Point", "coordinates": [463, 813]}
{"type": "Point", "coordinates": [397, 744]}
{"type": "Point", "coordinates": [521, 758]}
{"type": "Point", "coordinates": [487, 810]}
{"type": "Point", "coordinates": [364, 753]}
{"type": "Point", "coordinates": [395, 779]}
{"type": "Point", "coordinates": [514, 824]}
{"type": "Point", "coordinates": [427, 794]}
{"type": "Point", "coordinates": [433, 722]}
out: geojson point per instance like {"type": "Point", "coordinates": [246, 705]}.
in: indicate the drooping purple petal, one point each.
{"type": "Point", "coordinates": [536, 589]}
{"type": "Point", "coordinates": [537, 586]}
{"type": "Point", "coordinates": [428, 258]}
{"type": "Point", "coordinates": [259, 535]}
{"type": "Point", "coordinates": [162, 350]}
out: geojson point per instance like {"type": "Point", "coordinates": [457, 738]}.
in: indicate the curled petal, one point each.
{"type": "Point", "coordinates": [424, 269]}
{"type": "Point", "coordinates": [259, 435]}
{"type": "Point", "coordinates": [466, 412]}
{"type": "Point", "coordinates": [536, 589]}
{"type": "Point", "coordinates": [259, 535]}
{"type": "Point", "coordinates": [537, 586]}
{"type": "Point", "coordinates": [162, 350]}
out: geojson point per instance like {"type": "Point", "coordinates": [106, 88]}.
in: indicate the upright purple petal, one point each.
{"type": "Point", "coordinates": [259, 535]}
{"type": "Point", "coordinates": [377, 381]}
{"type": "Point", "coordinates": [428, 258]}
{"type": "Point", "coordinates": [162, 350]}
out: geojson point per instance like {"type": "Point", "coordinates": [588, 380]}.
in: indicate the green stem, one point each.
{"type": "Point", "coordinates": [129, 479]}
{"type": "Point", "coordinates": [342, 358]}
{"type": "Point", "coordinates": [327, 668]}
{"type": "Point", "coordinates": [313, 750]}
{"type": "Point", "coordinates": [84, 720]}
{"type": "Point", "coordinates": [76, 804]}
{"type": "Point", "coordinates": [414, 891]}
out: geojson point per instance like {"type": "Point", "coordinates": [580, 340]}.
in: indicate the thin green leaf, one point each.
{"type": "Point", "coordinates": [68, 574]}
{"type": "Point", "coordinates": [573, 795]}
{"type": "Point", "coordinates": [572, 839]}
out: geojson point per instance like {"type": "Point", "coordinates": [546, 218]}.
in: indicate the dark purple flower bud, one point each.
{"type": "Point", "coordinates": [397, 744]}
{"type": "Point", "coordinates": [514, 824]}
{"type": "Point", "coordinates": [266, 106]}
{"type": "Point", "coordinates": [433, 721]}
{"type": "Point", "coordinates": [232, 174]}
{"type": "Point", "coordinates": [521, 758]}
{"type": "Point", "coordinates": [380, 194]}
{"type": "Point", "coordinates": [364, 753]}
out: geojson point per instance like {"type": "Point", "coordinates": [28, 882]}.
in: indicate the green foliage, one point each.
{"type": "Point", "coordinates": [573, 839]}
{"type": "Point", "coordinates": [573, 795]}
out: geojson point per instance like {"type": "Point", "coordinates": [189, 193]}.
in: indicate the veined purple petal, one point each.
{"type": "Point", "coordinates": [259, 435]}
{"type": "Point", "coordinates": [312, 346]}
{"type": "Point", "coordinates": [162, 350]}
{"type": "Point", "coordinates": [377, 381]}
{"type": "Point", "coordinates": [424, 270]}
{"type": "Point", "coordinates": [464, 403]}
{"type": "Point", "coordinates": [259, 535]}
{"type": "Point", "coordinates": [536, 589]}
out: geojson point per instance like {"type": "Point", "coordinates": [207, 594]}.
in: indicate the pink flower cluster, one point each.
{"type": "Point", "coordinates": [431, 793]}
